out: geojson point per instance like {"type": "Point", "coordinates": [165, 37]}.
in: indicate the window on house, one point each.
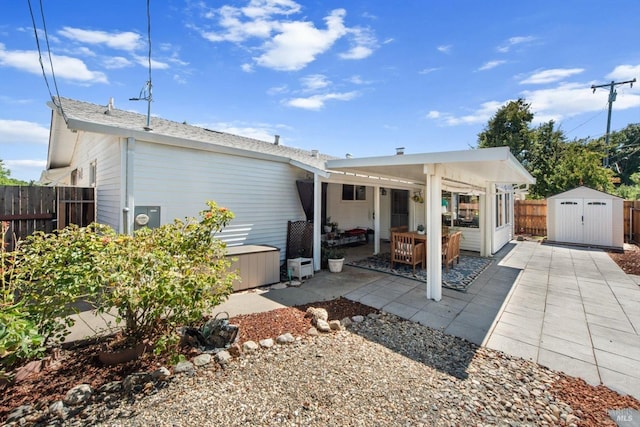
{"type": "Point", "coordinates": [467, 211]}
{"type": "Point", "coordinates": [499, 210]}
{"type": "Point", "coordinates": [354, 192]}
{"type": "Point", "coordinates": [92, 173]}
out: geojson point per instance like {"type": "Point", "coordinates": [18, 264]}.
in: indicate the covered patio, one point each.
{"type": "Point", "coordinates": [487, 173]}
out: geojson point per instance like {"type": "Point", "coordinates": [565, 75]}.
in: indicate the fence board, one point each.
{"type": "Point", "coordinates": [35, 208]}
{"type": "Point", "coordinates": [530, 217]}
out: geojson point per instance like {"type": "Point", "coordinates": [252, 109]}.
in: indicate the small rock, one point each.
{"type": "Point", "coordinates": [572, 419]}
{"type": "Point", "coordinates": [223, 357]}
{"type": "Point", "coordinates": [19, 412]}
{"type": "Point", "coordinates": [185, 367]}
{"type": "Point", "coordinates": [78, 395]}
{"type": "Point", "coordinates": [235, 350]}
{"type": "Point", "coordinates": [373, 316]}
{"type": "Point", "coordinates": [249, 346]}
{"type": "Point", "coordinates": [357, 319]}
{"type": "Point", "coordinates": [335, 325]}
{"type": "Point", "coordinates": [317, 314]}
{"type": "Point", "coordinates": [266, 343]}
{"type": "Point", "coordinates": [346, 322]}
{"type": "Point", "coordinates": [280, 285]}
{"type": "Point", "coordinates": [111, 387]}
{"type": "Point", "coordinates": [322, 326]}
{"type": "Point", "coordinates": [202, 359]}
{"type": "Point", "coordinates": [285, 339]}
{"type": "Point", "coordinates": [312, 331]}
{"type": "Point", "coordinates": [58, 410]}
{"type": "Point", "coordinates": [161, 374]}
{"type": "Point", "coordinates": [134, 383]}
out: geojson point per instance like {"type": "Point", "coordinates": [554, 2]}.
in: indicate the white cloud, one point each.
{"type": "Point", "coordinates": [551, 75]}
{"type": "Point", "coordinates": [278, 90]}
{"type": "Point", "coordinates": [68, 68]}
{"type": "Point", "coordinates": [116, 62]}
{"type": "Point", "coordinates": [317, 102]}
{"type": "Point", "coordinates": [480, 115]}
{"type": "Point", "coordinates": [314, 82]}
{"type": "Point", "coordinates": [363, 43]}
{"type": "Point", "coordinates": [260, 131]}
{"type": "Point", "coordinates": [491, 64]}
{"type": "Point", "coordinates": [514, 41]}
{"type": "Point", "coordinates": [625, 72]}
{"type": "Point", "coordinates": [298, 43]}
{"type": "Point", "coordinates": [428, 70]}
{"type": "Point", "coordinates": [23, 132]}
{"type": "Point", "coordinates": [127, 40]}
{"type": "Point", "coordinates": [247, 68]}
{"type": "Point", "coordinates": [389, 40]}
{"type": "Point", "coordinates": [445, 48]}
{"type": "Point", "coordinates": [358, 80]}
{"type": "Point", "coordinates": [286, 44]}
{"type": "Point", "coordinates": [155, 64]}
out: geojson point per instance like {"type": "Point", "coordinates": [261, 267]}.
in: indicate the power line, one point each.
{"type": "Point", "coordinates": [612, 98]}
{"type": "Point", "coordinates": [55, 101]}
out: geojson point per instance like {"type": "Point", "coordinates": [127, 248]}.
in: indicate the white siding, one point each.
{"type": "Point", "coordinates": [470, 238]}
{"type": "Point", "coordinates": [502, 236]}
{"type": "Point", "coordinates": [261, 194]}
{"type": "Point", "coordinates": [105, 151]}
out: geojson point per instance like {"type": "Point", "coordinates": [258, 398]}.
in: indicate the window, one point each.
{"type": "Point", "coordinates": [467, 210]}
{"type": "Point", "coordinates": [354, 192]}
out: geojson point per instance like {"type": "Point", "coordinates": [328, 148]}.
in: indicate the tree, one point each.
{"type": "Point", "coordinates": [625, 152]}
{"type": "Point", "coordinates": [5, 176]}
{"type": "Point", "coordinates": [510, 127]}
{"type": "Point", "coordinates": [630, 192]}
{"type": "Point", "coordinates": [547, 147]}
{"type": "Point", "coordinates": [580, 165]}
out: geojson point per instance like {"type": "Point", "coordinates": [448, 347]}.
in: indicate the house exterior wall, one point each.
{"type": "Point", "coordinates": [104, 152]}
{"type": "Point", "coordinates": [349, 214]}
{"type": "Point", "coordinates": [262, 194]}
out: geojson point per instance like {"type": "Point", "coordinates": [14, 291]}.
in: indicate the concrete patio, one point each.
{"type": "Point", "coordinates": [567, 308]}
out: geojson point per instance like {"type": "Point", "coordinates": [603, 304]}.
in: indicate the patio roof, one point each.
{"type": "Point", "coordinates": [475, 167]}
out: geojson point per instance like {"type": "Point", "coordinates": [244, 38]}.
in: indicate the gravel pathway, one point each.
{"type": "Point", "coordinates": [382, 371]}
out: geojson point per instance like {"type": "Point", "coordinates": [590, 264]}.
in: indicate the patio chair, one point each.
{"type": "Point", "coordinates": [397, 229]}
{"type": "Point", "coordinates": [451, 250]}
{"type": "Point", "coordinates": [405, 250]}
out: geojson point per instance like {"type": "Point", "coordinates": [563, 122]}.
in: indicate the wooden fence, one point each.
{"type": "Point", "coordinates": [34, 208]}
{"type": "Point", "coordinates": [530, 217]}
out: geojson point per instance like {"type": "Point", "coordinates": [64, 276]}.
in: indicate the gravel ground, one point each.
{"type": "Point", "coordinates": [383, 371]}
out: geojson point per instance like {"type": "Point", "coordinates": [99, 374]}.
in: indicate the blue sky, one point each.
{"type": "Point", "coordinates": [358, 77]}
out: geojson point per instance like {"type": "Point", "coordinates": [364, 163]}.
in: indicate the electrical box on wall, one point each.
{"type": "Point", "coordinates": [146, 216]}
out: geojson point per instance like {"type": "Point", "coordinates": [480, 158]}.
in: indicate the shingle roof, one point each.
{"type": "Point", "coordinates": [130, 121]}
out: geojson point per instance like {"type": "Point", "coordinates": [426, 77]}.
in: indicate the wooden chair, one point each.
{"type": "Point", "coordinates": [397, 229]}
{"type": "Point", "coordinates": [405, 250]}
{"type": "Point", "coordinates": [451, 250]}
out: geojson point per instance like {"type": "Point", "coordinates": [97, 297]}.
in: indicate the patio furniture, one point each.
{"type": "Point", "coordinates": [300, 267]}
{"type": "Point", "coordinates": [407, 248]}
{"type": "Point", "coordinates": [451, 250]}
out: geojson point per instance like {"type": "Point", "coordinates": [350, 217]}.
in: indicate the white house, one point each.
{"type": "Point", "coordinates": [169, 169]}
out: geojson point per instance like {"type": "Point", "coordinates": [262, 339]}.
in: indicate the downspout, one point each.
{"type": "Point", "coordinates": [129, 201]}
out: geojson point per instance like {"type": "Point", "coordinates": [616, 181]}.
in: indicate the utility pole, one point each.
{"type": "Point", "coordinates": [612, 97]}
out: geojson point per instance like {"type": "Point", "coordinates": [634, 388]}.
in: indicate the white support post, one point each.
{"type": "Point", "coordinates": [434, 232]}
{"type": "Point", "coordinates": [317, 221]}
{"type": "Point", "coordinates": [487, 213]}
{"type": "Point", "coordinates": [376, 220]}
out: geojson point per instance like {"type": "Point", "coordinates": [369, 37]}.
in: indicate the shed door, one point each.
{"type": "Point", "coordinates": [598, 217]}
{"type": "Point", "coordinates": [569, 221]}
{"type": "Point", "coordinates": [586, 221]}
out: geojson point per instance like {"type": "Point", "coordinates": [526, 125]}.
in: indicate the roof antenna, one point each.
{"type": "Point", "coordinates": [145, 92]}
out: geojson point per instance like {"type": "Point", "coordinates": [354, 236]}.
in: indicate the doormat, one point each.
{"type": "Point", "coordinates": [458, 278]}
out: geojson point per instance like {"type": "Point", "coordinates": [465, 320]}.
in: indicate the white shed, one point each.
{"type": "Point", "coordinates": [587, 217]}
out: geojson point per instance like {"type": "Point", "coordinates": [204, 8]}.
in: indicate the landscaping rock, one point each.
{"type": "Point", "coordinates": [285, 339]}
{"type": "Point", "coordinates": [266, 343]}
{"type": "Point", "coordinates": [322, 326]}
{"type": "Point", "coordinates": [223, 357]}
{"type": "Point", "coordinates": [78, 395]}
{"type": "Point", "coordinates": [335, 325]}
{"type": "Point", "coordinates": [161, 374]}
{"type": "Point", "coordinates": [202, 360]}
{"type": "Point", "coordinates": [249, 346]}
{"type": "Point", "coordinates": [184, 367]}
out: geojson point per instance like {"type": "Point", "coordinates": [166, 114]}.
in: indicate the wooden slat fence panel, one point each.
{"type": "Point", "coordinates": [530, 217]}
{"type": "Point", "coordinates": [632, 221]}
{"type": "Point", "coordinates": [28, 209]}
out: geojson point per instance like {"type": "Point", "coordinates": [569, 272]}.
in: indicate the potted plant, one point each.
{"type": "Point", "coordinates": [335, 259]}
{"type": "Point", "coordinates": [420, 229]}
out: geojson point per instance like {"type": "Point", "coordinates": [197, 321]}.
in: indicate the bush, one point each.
{"type": "Point", "coordinates": [156, 280]}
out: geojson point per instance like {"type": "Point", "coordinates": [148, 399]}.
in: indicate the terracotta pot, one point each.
{"type": "Point", "coordinates": [124, 355]}
{"type": "Point", "coordinates": [335, 265]}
